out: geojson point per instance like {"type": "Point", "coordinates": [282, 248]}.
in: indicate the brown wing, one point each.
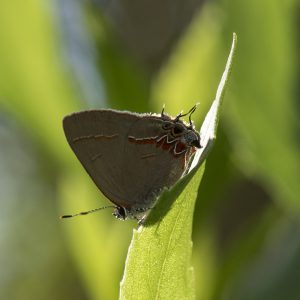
{"type": "Point", "coordinates": [127, 173]}
{"type": "Point", "coordinates": [148, 167]}
{"type": "Point", "coordinates": [97, 139]}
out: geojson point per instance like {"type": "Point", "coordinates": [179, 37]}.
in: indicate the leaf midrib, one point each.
{"type": "Point", "coordinates": [165, 256]}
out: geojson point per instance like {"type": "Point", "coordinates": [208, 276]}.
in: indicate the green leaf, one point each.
{"type": "Point", "coordinates": [158, 262]}
{"type": "Point", "coordinates": [263, 113]}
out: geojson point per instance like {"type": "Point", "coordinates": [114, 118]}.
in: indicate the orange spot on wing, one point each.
{"type": "Point", "coordinates": [180, 147]}
{"type": "Point", "coordinates": [167, 146]}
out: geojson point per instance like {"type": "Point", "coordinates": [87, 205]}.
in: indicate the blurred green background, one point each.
{"type": "Point", "coordinates": [57, 57]}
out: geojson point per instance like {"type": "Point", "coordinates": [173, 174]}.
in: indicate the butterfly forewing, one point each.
{"type": "Point", "coordinates": [120, 153]}
{"type": "Point", "coordinates": [97, 139]}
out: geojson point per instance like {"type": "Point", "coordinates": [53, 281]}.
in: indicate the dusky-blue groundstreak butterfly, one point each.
{"type": "Point", "coordinates": [131, 157]}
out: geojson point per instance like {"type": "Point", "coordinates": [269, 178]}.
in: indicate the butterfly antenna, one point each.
{"type": "Point", "coordinates": [180, 115]}
{"type": "Point", "coordinates": [192, 110]}
{"type": "Point", "coordinates": [83, 213]}
{"type": "Point", "coordinates": [163, 111]}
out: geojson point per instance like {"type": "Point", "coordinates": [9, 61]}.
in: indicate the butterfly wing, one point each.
{"type": "Point", "coordinates": [150, 165]}
{"type": "Point", "coordinates": [97, 139]}
{"type": "Point", "coordinates": [119, 151]}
